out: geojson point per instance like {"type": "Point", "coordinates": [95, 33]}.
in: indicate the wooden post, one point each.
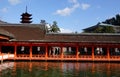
{"type": "Point", "coordinates": [46, 52]}
{"type": "Point", "coordinates": [62, 53]}
{"type": "Point", "coordinates": [108, 53]}
{"type": "Point", "coordinates": [8, 54]}
{"type": "Point", "coordinates": [30, 52]}
{"type": "Point", "coordinates": [2, 58]}
{"type": "Point", "coordinates": [15, 52]}
{"type": "Point", "coordinates": [77, 51]}
{"type": "Point", "coordinates": [0, 49]}
{"type": "Point", "coordinates": [1, 55]}
{"type": "Point", "coordinates": [92, 53]}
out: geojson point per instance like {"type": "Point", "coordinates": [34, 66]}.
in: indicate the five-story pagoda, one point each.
{"type": "Point", "coordinates": [26, 17]}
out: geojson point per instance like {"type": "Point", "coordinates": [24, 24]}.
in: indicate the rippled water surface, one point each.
{"type": "Point", "coordinates": [59, 69]}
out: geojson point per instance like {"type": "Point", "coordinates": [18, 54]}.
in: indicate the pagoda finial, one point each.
{"type": "Point", "coordinates": [26, 9]}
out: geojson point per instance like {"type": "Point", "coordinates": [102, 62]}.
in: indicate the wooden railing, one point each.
{"type": "Point", "coordinates": [23, 55]}
{"type": "Point", "coordinates": [100, 57]}
{"type": "Point", "coordinates": [5, 56]}
{"type": "Point", "coordinates": [60, 57]}
{"type": "Point", "coordinates": [69, 56]}
{"type": "Point", "coordinates": [85, 56]}
{"type": "Point", "coordinates": [114, 57]}
{"type": "Point", "coordinates": [54, 56]}
{"type": "Point", "coordinates": [38, 56]}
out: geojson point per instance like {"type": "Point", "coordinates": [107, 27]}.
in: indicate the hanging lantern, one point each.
{"type": "Point", "coordinates": [22, 48]}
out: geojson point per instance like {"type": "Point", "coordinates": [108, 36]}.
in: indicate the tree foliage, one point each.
{"type": "Point", "coordinates": [113, 21]}
{"type": "Point", "coordinates": [43, 22]}
{"type": "Point", "coordinates": [51, 28]}
{"type": "Point", "coordinates": [54, 27]}
{"type": "Point", "coordinates": [104, 29]}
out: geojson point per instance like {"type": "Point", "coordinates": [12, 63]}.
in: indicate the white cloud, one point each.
{"type": "Point", "coordinates": [73, 1]}
{"type": "Point", "coordinates": [4, 10]}
{"type": "Point", "coordinates": [68, 10]}
{"type": "Point", "coordinates": [14, 2]}
{"type": "Point", "coordinates": [65, 30]}
{"type": "Point", "coordinates": [75, 6]}
{"type": "Point", "coordinates": [98, 18]}
{"type": "Point", "coordinates": [84, 6]}
{"type": "Point", "coordinates": [64, 12]}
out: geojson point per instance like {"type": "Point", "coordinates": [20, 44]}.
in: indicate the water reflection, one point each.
{"type": "Point", "coordinates": [59, 69]}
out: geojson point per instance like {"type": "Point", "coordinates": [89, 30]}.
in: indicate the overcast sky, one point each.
{"type": "Point", "coordinates": [71, 15]}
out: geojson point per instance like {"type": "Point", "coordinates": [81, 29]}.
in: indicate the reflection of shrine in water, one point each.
{"type": "Point", "coordinates": [61, 68]}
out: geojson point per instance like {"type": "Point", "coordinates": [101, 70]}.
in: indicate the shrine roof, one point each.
{"type": "Point", "coordinates": [85, 37]}
{"type": "Point", "coordinates": [24, 31]}
{"type": "Point", "coordinates": [6, 33]}
{"type": "Point", "coordinates": [37, 33]}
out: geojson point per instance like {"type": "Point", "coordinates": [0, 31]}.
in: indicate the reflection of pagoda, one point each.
{"type": "Point", "coordinates": [26, 17]}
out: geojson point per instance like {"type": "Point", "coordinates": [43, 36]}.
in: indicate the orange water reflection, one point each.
{"type": "Point", "coordinates": [61, 68]}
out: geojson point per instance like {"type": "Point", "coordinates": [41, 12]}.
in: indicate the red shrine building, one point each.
{"type": "Point", "coordinates": [32, 42]}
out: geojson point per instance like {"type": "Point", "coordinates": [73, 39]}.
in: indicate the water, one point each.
{"type": "Point", "coordinates": [59, 69]}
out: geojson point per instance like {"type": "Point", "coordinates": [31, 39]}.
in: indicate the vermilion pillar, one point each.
{"type": "Point", "coordinates": [15, 52]}
{"type": "Point", "coordinates": [108, 53]}
{"type": "Point", "coordinates": [0, 49]}
{"type": "Point", "coordinates": [46, 52]}
{"type": "Point", "coordinates": [30, 52]}
{"type": "Point", "coordinates": [77, 52]}
{"type": "Point", "coordinates": [93, 53]}
{"type": "Point", "coordinates": [61, 53]}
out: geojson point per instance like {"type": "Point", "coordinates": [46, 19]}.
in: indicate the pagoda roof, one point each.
{"type": "Point", "coordinates": [26, 14]}
{"type": "Point", "coordinates": [26, 18]}
{"type": "Point", "coordinates": [26, 21]}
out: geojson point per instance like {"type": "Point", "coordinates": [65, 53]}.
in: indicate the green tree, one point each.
{"type": "Point", "coordinates": [108, 29]}
{"type": "Point", "coordinates": [113, 21]}
{"type": "Point", "coordinates": [104, 29]}
{"type": "Point", "coordinates": [117, 19]}
{"type": "Point", "coordinates": [98, 30]}
{"type": "Point", "coordinates": [54, 27]}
